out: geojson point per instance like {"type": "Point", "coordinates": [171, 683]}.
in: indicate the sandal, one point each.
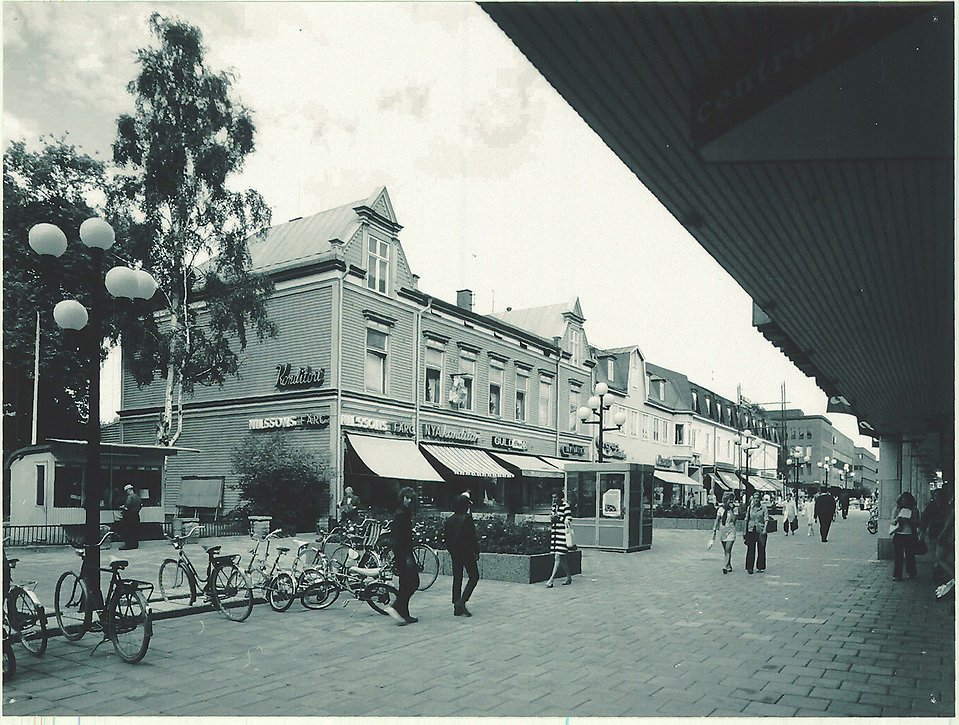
{"type": "Point", "coordinates": [549, 585]}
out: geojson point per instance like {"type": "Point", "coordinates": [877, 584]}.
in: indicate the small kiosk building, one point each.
{"type": "Point", "coordinates": [612, 505]}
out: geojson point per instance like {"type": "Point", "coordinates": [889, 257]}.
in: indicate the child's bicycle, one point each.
{"type": "Point", "coordinates": [225, 584]}
{"type": "Point", "coordinates": [364, 584]}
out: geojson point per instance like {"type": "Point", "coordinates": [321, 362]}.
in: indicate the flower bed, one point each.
{"type": "Point", "coordinates": [519, 568]}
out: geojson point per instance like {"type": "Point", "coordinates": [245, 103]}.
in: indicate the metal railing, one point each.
{"type": "Point", "coordinates": [63, 534]}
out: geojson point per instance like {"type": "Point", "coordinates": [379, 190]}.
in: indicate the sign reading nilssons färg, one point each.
{"type": "Point", "coordinates": [305, 377]}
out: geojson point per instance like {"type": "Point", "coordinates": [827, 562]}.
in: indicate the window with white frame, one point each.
{"type": "Point", "coordinates": [464, 381]}
{"type": "Point", "coordinates": [376, 360]}
{"type": "Point", "coordinates": [692, 437]}
{"type": "Point", "coordinates": [378, 265]}
{"type": "Point", "coordinates": [434, 372]}
{"type": "Point", "coordinates": [655, 429]}
{"type": "Point", "coordinates": [576, 345]}
{"type": "Point", "coordinates": [495, 388]}
{"type": "Point", "coordinates": [575, 396]}
{"type": "Point", "coordinates": [695, 401]}
{"type": "Point", "coordinates": [665, 431]}
{"type": "Point", "coordinates": [680, 434]}
{"type": "Point", "coordinates": [611, 369]}
{"type": "Point", "coordinates": [645, 426]}
{"type": "Point", "coordinates": [634, 423]}
{"type": "Point", "coordinates": [522, 391]}
{"type": "Point", "coordinates": [545, 400]}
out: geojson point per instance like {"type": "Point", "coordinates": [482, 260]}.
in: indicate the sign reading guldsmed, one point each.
{"type": "Point", "coordinates": [306, 420]}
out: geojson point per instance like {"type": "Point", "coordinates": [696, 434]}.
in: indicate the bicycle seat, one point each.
{"type": "Point", "coordinates": [282, 549]}
{"type": "Point", "coordinates": [213, 550]}
{"type": "Point", "coordinates": [119, 564]}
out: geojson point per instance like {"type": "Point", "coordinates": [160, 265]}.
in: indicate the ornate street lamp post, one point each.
{"type": "Point", "coordinates": [594, 411]}
{"type": "Point", "coordinates": [825, 464]}
{"type": "Point", "coordinates": [797, 460]}
{"type": "Point", "coordinates": [98, 236]}
{"type": "Point", "coordinates": [745, 443]}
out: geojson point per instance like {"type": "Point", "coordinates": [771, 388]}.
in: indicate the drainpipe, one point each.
{"type": "Point", "coordinates": [559, 356]}
{"type": "Point", "coordinates": [418, 334]}
{"type": "Point", "coordinates": [336, 434]}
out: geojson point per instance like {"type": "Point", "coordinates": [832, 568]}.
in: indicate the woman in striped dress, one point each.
{"type": "Point", "coordinates": [560, 516]}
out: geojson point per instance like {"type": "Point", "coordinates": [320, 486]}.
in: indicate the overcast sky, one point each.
{"type": "Point", "coordinates": [500, 186]}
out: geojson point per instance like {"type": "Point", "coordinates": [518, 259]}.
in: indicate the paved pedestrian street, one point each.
{"type": "Point", "coordinates": [824, 632]}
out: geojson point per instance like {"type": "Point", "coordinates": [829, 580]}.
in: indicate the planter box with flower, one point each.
{"type": "Point", "coordinates": [508, 551]}
{"type": "Point", "coordinates": [681, 517]}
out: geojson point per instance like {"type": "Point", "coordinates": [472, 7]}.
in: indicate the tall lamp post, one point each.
{"type": "Point", "coordinates": [595, 409]}
{"type": "Point", "coordinates": [746, 444]}
{"type": "Point", "coordinates": [825, 464]}
{"type": "Point", "coordinates": [797, 460]}
{"type": "Point", "coordinates": [49, 241]}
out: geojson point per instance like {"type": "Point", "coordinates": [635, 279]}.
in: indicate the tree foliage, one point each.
{"type": "Point", "coordinates": [177, 151]}
{"type": "Point", "coordinates": [280, 480]}
{"type": "Point", "coordinates": [59, 185]}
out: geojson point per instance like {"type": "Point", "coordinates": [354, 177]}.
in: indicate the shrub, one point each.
{"type": "Point", "coordinates": [280, 480]}
{"type": "Point", "coordinates": [496, 534]}
{"type": "Point", "coordinates": [682, 512]}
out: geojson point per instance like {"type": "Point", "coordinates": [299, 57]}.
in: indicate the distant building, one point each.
{"type": "Point", "coordinates": [816, 437]}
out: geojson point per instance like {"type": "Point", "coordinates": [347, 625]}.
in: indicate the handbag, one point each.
{"type": "Point", "coordinates": [772, 525]}
{"type": "Point", "coordinates": [918, 546]}
{"type": "Point", "coordinates": [751, 536]}
{"type": "Point", "coordinates": [570, 541]}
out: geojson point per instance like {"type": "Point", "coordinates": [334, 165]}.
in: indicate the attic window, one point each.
{"type": "Point", "coordinates": [610, 369]}
{"type": "Point", "coordinates": [378, 265]}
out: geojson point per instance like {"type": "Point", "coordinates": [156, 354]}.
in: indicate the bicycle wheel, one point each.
{"type": "Point", "coordinates": [307, 557]}
{"type": "Point", "coordinates": [320, 594]}
{"type": "Point", "coordinates": [872, 527]}
{"type": "Point", "coordinates": [232, 592]}
{"type": "Point", "coordinates": [281, 592]}
{"type": "Point", "coordinates": [28, 619]}
{"type": "Point", "coordinates": [129, 623]}
{"type": "Point", "coordinates": [380, 596]}
{"type": "Point", "coordinates": [308, 577]}
{"type": "Point", "coordinates": [176, 583]}
{"type": "Point", "coordinates": [71, 604]}
{"type": "Point", "coordinates": [344, 556]}
{"type": "Point", "coordinates": [428, 563]}
{"type": "Point", "coordinates": [9, 661]}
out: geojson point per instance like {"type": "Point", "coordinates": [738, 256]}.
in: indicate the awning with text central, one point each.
{"type": "Point", "coordinates": [727, 480]}
{"type": "Point", "coordinates": [680, 479]}
{"type": "Point", "coordinates": [393, 458]}
{"type": "Point", "coordinates": [532, 466]}
{"type": "Point", "coordinates": [466, 461]}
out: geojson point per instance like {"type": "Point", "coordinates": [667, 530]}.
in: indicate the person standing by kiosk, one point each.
{"type": "Point", "coordinates": [130, 518]}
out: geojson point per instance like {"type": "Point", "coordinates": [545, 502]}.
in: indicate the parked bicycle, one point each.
{"type": "Point", "coordinates": [291, 583]}
{"type": "Point", "coordinates": [872, 523]}
{"type": "Point", "coordinates": [425, 556]}
{"type": "Point", "coordinates": [363, 583]}
{"type": "Point", "coordinates": [22, 612]}
{"type": "Point", "coordinates": [225, 585]}
{"type": "Point", "coordinates": [370, 547]}
{"type": "Point", "coordinates": [123, 617]}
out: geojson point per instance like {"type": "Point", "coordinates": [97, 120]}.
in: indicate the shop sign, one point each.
{"type": "Point", "coordinates": [445, 433]}
{"type": "Point", "coordinates": [396, 427]}
{"type": "Point", "coordinates": [302, 378]}
{"type": "Point", "coordinates": [572, 450]}
{"type": "Point", "coordinates": [612, 450]}
{"type": "Point", "coordinates": [513, 444]}
{"type": "Point", "coordinates": [307, 420]}
{"type": "Point", "coordinates": [663, 462]}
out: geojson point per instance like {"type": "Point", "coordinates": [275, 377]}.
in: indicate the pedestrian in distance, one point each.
{"type": "Point", "coordinates": [560, 516]}
{"type": "Point", "coordinates": [725, 527]}
{"type": "Point", "coordinates": [757, 514]}
{"type": "Point", "coordinates": [790, 516]}
{"type": "Point", "coordinates": [459, 533]}
{"type": "Point", "coordinates": [844, 504]}
{"type": "Point", "coordinates": [904, 530]}
{"type": "Point", "coordinates": [349, 506]}
{"type": "Point", "coordinates": [130, 518]}
{"type": "Point", "coordinates": [809, 511]}
{"type": "Point", "coordinates": [824, 511]}
{"type": "Point", "coordinates": [401, 534]}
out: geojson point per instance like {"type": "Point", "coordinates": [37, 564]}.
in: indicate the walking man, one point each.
{"type": "Point", "coordinates": [824, 511]}
{"type": "Point", "coordinates": [130, 518]}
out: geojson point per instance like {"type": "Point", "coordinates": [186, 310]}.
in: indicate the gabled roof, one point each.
{"type": "Point", "coordinates": [678, 396]}
{"type": "Point", "coordinates": [548, 321]}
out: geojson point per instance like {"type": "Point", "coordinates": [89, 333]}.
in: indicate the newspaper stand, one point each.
{"type": "Point", "coordinates": [612, 505]}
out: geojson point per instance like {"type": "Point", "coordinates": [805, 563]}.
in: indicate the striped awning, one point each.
{"type": "Point", "coordinates": [680, 479]}
{"type": "Point", "coordinates": [761, 484]}
{"type": "Point", "coordinates": [532, 466]}
{"type": "Point", "coordinates": [466, 461]}
{"type": "Point", "coordinates": [727, 480]}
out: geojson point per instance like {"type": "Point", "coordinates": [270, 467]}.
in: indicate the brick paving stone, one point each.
{"type": "Point", "coordinates": [801, 701]}
{"type": "Point", "coordinates": [761, 709]}
{"type": "Point", "coordinates": [863, 687]}
{"type": "Point", "coordinates": [840, 707]}
{"type": "Point", "coordinates": [783, 688]}
{"type": "Point", "coordinates": [834, 694]}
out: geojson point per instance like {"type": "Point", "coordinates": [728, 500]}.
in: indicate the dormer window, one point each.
{"type": "Point", "coordinates": [378, 265]}
{"type": "Point", "coordinates": [611, 369]}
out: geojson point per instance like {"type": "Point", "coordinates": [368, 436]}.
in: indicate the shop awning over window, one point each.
{"type": "Point", "coordinates": [761, 484]}
{"type": "Point", "coordinates": [393, 458]}
{"type": "Point", "coordinates": [528, 465]}
{"type": "Point", "coordinates": [559, 463]}
{"type": "Point", "coordinates": [680, 479]}
{"type": "Point", "coordinates": [467, 461]}
{"type": "Point", "coordinates": [200, 493]}
{"type": "Point", "coordinates": [727, 480]}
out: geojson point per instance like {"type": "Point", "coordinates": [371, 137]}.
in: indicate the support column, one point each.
{"type": "Point", "coordinates": [890, 486]}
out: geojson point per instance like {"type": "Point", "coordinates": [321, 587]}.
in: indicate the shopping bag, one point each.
{"type": "Point", "coordinates": [794, 524]}
{"type": "Point", "coordinates": [772, 526]}
{"type": "Point", "coordinates": [570, 541]}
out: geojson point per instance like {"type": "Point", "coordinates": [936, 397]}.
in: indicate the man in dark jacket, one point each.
{"type": "Point", "coordinates": [130, 518]}
{"type": "Point", "coordinates": [824, 511]}
{"type": "Point", "coordinates": [461, 542]}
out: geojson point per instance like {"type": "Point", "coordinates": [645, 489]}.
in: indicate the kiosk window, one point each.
{"type": "Point", "coordinates": [68, 487]}
{"type": "Point", "coordinates": [612, 486]}
{"type": "Point", "coordinates": [581, 492]}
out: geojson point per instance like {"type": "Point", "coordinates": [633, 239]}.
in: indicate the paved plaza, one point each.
{"type": "Point", "coordinates": [824, 632]}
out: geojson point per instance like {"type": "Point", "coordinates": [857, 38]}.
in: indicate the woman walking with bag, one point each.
{"type": "Point", "coordinates": [402, 541]}
{"type": "Point", "coordinates": [905, 527]}
{"type": "Point", "coordinates": [790, 516]}
{"type": "Point", "coordinates": [560, 517]}
{"type": "Point", "coordinates": [726, 528]}
{"type": "Point", "coordinates": [755, 536]}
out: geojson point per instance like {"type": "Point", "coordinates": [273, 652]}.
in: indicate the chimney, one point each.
{"type": "Point", "coordinates": [416, 281]}
{"type": "Point", "coordinates": [464, 299]}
